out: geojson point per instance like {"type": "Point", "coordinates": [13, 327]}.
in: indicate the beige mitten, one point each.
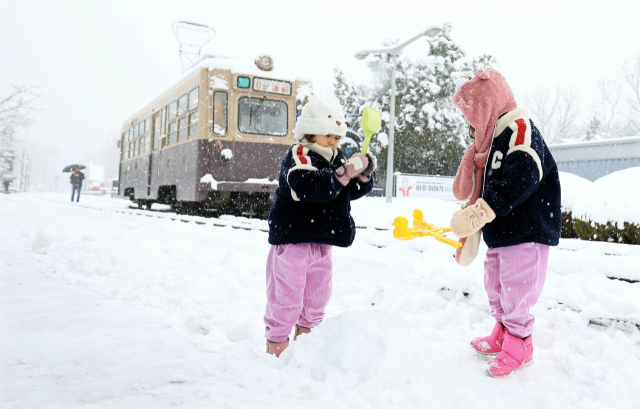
{"type": "Point", "coordinates": [472, 218]}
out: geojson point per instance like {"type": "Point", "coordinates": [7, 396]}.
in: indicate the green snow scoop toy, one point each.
{"type": "Point", "coordinates": [371, 122]}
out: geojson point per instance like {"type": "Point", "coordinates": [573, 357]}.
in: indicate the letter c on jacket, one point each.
{"type": "Point", "coordinates": [496, 162]}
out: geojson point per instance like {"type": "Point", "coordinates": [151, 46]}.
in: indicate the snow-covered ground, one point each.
{"type": "Point", "coordinates": [103, 306]}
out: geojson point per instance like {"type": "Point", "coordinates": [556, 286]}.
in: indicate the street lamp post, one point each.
{"type": "Point", "coordinates": [394, 52]}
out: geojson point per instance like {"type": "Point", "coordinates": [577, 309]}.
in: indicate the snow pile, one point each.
{"type": "Point", "coordinates": [264, 181]}
{"type": "Point", "coordinates": [208, 178]}
{"type": "Point", "coordinates": [226, 154]}
{"type": "Point", "coordinates": [613, 198]}
{"type": "Point", "coordinates": [41, 242]}
{"type": "Point", "coordinates": [572, 187]}
{"type": "Point", "coordinates": [218, 82]}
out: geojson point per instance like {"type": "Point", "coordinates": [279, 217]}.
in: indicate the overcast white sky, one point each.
{"type": "Point", "coordinates": [96, 62]}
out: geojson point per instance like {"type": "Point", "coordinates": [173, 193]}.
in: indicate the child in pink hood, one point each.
{"type": "Point", "coordinates": [511, 182]}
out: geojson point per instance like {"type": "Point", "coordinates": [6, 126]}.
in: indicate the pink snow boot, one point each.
{"type": "Point", "coordinates": [301, 330]}
{"type": "Point", "coordinates": [492, 344]}
{"type": "Point", "coordinates": [275, 348]}
{"type": "Point", "coordinates": [516, 353]}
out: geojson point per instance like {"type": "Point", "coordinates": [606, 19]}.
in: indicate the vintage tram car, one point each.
{"type": "Point", "coordinates": [214, 140]}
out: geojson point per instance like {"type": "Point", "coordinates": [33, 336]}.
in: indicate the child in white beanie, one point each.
{"type": "Point", "coordinates": [310, 215]}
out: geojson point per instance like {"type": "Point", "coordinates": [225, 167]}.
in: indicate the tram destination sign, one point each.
{"type": "Point", "coordinates": [272, 86]}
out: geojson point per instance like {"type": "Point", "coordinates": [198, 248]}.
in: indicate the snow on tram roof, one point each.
{"type": "Point", "coordinates": [241, 65]}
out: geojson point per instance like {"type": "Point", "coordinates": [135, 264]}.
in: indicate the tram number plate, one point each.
{"type": "Point", "coordinates": [243, 82]}
{"type": "Point", "coordinates": [274, 87]}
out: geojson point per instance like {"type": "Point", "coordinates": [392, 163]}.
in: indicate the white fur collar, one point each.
{"type": "Point", "coordinates": [511, 116]}
{"type": "Point", "coordinates": [327, 153]}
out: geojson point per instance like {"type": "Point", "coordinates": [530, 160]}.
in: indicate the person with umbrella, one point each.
{"type": "Point", "coordinates": [76, 182]}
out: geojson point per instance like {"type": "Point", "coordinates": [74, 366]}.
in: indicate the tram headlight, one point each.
{"type": "Point", "coordinates": [265, 63]}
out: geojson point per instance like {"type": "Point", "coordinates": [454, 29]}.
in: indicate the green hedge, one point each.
{"type": "Point", "coordinates": [567, 231]}
{"type": "Point", "coordinates": [629, 233]}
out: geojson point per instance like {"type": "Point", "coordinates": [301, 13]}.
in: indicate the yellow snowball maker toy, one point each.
{"type": "Point", "coordinates": [421, 228]}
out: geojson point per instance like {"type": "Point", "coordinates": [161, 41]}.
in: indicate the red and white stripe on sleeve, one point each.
{"type": "Point", "coordinates": [303, 162]}
{"type": "Point", "coordinates": [521, 140]}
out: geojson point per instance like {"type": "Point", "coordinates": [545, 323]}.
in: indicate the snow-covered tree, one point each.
{"type": "Point", "coordinates": [430, 132]}
{"type": "Point", "coordinates": [16, 112]}
{"type": "Point", "coordinates": [352, 99]}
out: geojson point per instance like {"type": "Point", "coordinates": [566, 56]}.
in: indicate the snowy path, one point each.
{"type": "Point", "coordinates": [114, 307]}
{"type": "Point", "coordinates": [66, 346]}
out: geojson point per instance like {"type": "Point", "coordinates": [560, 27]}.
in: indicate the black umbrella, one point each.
{"type": "Point", "coordinates": [72, 168]}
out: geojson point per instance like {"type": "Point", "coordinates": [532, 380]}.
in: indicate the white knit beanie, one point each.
{"type": "Point", "coordinates": [321, 116]}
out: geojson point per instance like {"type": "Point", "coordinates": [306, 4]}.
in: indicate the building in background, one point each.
{"type": "Point", "coordinates": [594, 159]}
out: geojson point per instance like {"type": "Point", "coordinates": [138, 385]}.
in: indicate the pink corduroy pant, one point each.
{"type": "Point", "coordinates": [298, 287]}
{"type": "Point", "coordinates": [513, 278]}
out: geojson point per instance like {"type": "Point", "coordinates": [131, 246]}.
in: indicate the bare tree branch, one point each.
{"type": "Point", "coordinates": [566, 113]}
{"type": "Point", "coordinates": [631, 75]}
{"type": "Point", "coordinates": [556, 112]}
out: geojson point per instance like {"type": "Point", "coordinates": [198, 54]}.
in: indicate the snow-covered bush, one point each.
{"type": "Point", "coordinates": [609, 209]}
{"type": "Point", "coordinates": [572, 187]}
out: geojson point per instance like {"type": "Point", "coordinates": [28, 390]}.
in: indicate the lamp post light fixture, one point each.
{"type": "Point", "coordinates": [394, 52]}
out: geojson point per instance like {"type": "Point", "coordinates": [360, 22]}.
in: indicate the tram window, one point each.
{"type": "Point", "coordinates": [172, 132]}
{"type": "Point", "coordinates": [220, 109]}
{"type": "Point", "coordinates": [193, 124]}
{"type": "Point", "coordinates": [156, 132]}
{"type": "Point", "coordinates": [193, 98]}
{"type": "Point", "coordinates": [182, 104]}
{"type": "Point", "coordinates": [147, 144]}
{"type": "Point", "coordinates": [173, 110]}
{"type": "Point", "coordinates": [262, 116]}
{"type": "Point", "coordinates": [182, 128]}
{"type": "Point", "coordinates": [134, 133]}
{"type": "Point", "coordinates": [128, 151]}
{"type": "Point", "coordinates": [163, 123]}
{"type": "Point", "coordinates": [147, 125]}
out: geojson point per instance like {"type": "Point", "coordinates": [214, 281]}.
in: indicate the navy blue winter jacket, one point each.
{"type": "Point", "coordinates": [522, 185]}
{"type": "Point", "coordinates": [311, 205]}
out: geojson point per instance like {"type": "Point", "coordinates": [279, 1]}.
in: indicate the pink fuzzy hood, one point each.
{"type": "Point", "coordinates": [481, 100]}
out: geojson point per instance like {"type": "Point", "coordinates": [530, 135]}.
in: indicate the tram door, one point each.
{"type": "Point", "coordinates": [155, 135]}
